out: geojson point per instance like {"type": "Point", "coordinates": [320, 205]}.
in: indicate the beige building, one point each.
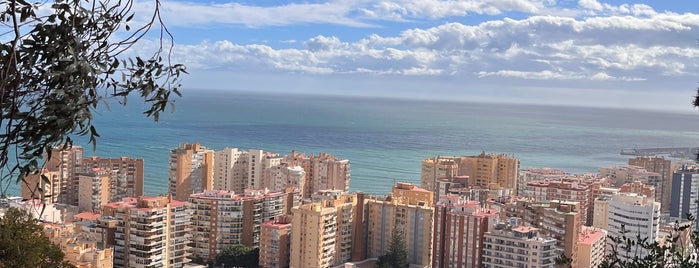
{"type": "Point", "coordinates": [80, 249]}
{"type": "Point", "coordinates": [619, 175]}
{"type": "Point", "coordinates": [591, 247]}
{"type": "Point", "coordinates": [50, 191]}
{"type": "Point", "coordinates": [65, 168]}
{"type": "Point", "coordinates": [127, 174]}
{"type": "Point", "coordinates": [93, 190]}
{"type": "Point", "coordinates": [408, 208]}
{"type": "Point", "coordinates": [459, 228]}
{"type": "Point", "coordinates": [278, 178]}
{"type": "Point", "coordinates": [559, 220]}
{"type": "Point", "coordinates": [489, 171]}
{"type": "Point", "coordinates": [153, 232]}
{"type": "Point", "coordinates": [323, 233]}
{"type": "Point", "coordinates": [536, 174]}
{"type": "Point", "coordinates": [65, 163]}
{"type": "Point", "coordinates": [433, 169]}
{"type": "Point", "coordinates": [275, 242]}
{"type": "Point", "coordinates": [663, 167]}
{"type": "Point", "coordinates": [231, 170]}
{"type": "Point", "coordinates": [223, 218]}
{"type": "Point", "coordinates": [190, 171]}
{"type": "Point", "coordinates": [565, 189]}
{"type": "Point", "coordinates": [323, 172]}
{"type": "Point", "coordinates": [518, 246]}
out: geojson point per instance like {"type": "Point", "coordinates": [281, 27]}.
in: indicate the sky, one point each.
{"type": "Point", "coordinates": [627, 54]}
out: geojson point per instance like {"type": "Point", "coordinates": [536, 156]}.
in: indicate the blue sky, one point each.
{"type": "Point", "coordinates": [634, 54]}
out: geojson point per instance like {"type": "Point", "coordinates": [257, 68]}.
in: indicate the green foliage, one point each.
{"type": "Point", "coordinates": [644, 253]}
{"type": "Point", "coordinates": [238, 256]}
{"type": "Point", "coordinates": [397, 254]}
{"type": "Point", "coordinates": [59, 63]}
{"type": "Point", "coordinates": [23, 244]}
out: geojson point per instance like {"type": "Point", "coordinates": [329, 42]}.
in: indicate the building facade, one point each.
{"type": "Point", "coordinates": [190, 171]}
{"type": "Point", "coordinates": [685, 193]}
{"type": "Point", "coordinates": [459, 228]}
{"type": "Point", "coordinates": [152, 232]}
{"type": "Point", "coordinates": [517, 246]}
{"type": "Point", "coordinates": [632, 215]}
{"type": "Point", "coordinates": [275, 242]}
{"type": "Point", "coordinates": [663, 167]}
{"type": "Point", "coordinates": [323, 233]}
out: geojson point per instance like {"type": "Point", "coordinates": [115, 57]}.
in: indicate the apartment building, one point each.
{"type": "Point", "coordinates": [323, 172]}
{"type": "Point", "coordinates": [127, 173]}
{"type": "Point", "coordinates": [190, 170]}
{"type": "Point", "coordinates": [663, 167]}
{"type": "Point", "coordinates": [65, 163]}
{"type": "Point", "coordinates": [323, 233]}
{"type": "Point", "coordinates": [591, 247]}
{"type": "Point", "coordinates": [565, 189]}
{"type": "Point", "coordinates": [459, 228]}
{"type": "Point", "coordinates": [152, 232]}
{"type": "Point", "coordinates": [536, 174]}
{"type": "Point", "coordinates": [35, 187]}
{"type": "Point", "coordinates": [685, 193]}
{"type": "Point", "coordinates": [619, 175]}
{"type": "Point", "coordinates": [489, 171]}
{"type": "Point", "coordinates": [222, 218]}
{"type": "Point", "coordinates": [81, 249]}
{"type": "Point", "coordinates": [409, 209]}
{"type": "Point", "coordinates": [557, 219]}
{"type": "Point", "coordinates": [632, 215]}
{"type": "Point", "coordinates": [93, 189]}
{"type": "Point", "coordinates": [275, 242]}
{"type": "Point", "coordinates": [279, 177]}
{"type": "Point", "coordinates": [518, 246]}
{"type": "Point", "coordinates": [436, 168]}
{"type": "Point", "coordinates": [65, 169]}
{"type": "Point", "coordinates": [231, 169]}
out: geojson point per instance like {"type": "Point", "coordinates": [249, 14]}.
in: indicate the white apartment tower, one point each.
{"type": "Point", "coordinates": [231, 170]}
{"type": "Point", "coordinates": [640, 216]}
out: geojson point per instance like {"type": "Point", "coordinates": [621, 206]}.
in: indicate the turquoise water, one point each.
{"type": "Point", "coordinates": [385, 139]}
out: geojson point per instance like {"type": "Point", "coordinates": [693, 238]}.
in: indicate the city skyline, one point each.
{"type": "Point", "coordinates": [599, 53]}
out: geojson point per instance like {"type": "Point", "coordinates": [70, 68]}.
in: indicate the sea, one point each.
{"type": "Point", "coordinates": [384, 139]}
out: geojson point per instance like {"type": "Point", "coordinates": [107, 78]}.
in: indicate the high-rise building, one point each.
{"type": "Point", "coordinates": [409, 209]}
{"type": "Point", "coordinates": [66, 163]}
{"type": "Point", "coordinates": [190, 171]}
{"type": "Point", "coordinates": [223, 218]}
{"type": "Point", "coordinates": [518, 246]}
{"type": "Point", "coordinates": [685, 193]}
{"type": "Point", "coordinates": [275, 242]}
{"type": "Point", "coordinates": [640, 188]}
{"type": "Point", "coordinates": [459, 228]}
{"type": "Point", "coordinates": [231, 170]}
{"type": "Point", "coordinates": [259, 161]}
{"type": "Point", "coordinates": [591, 247]}
{"type": "Point", "coordinates": [153, 232]}
{"type": "Point", "coordinates": [618, 175]}
{"type": "Point", "coordinates": [489, 171]}
{"type": "Point", "coordinates": [437, 168]}
{"type": "Point", "coordinates": [323, 172]}
{"type": "Point", "coordinates": [559, 220]}
{"type": "Point", "coordinates": [323, 233]}
{"type": "Point", "coordinates": [279, 177]}
{"type": "Point", "coordinates": [536, 174]}
{"type": "Point", "coordinates": [565, 189]}
{"type": "Point", "coordinates": [631, 215]}
{"type": "Point", "coordinates": [127, 173]}
{"type": "Point", "coordinates": [51, 190]}
{"type": "Point", "coordinates": [663, 167]}
{"type": "Point", "coordinates": [93, 190]}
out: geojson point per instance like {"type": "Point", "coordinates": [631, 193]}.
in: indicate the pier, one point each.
{"type": "Point", "coordinates": [672, 152]}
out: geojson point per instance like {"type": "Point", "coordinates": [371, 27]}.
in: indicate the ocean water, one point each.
{"type": "Point", "coordinates": [385, 139]}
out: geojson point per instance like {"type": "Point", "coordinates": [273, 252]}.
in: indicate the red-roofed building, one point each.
{"type": "Point", "coordinates": [591, 247]}
{"type": "Point", "coordinates": [275, 242]}
{"type": "Point", "coordinates": [459, 226]}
